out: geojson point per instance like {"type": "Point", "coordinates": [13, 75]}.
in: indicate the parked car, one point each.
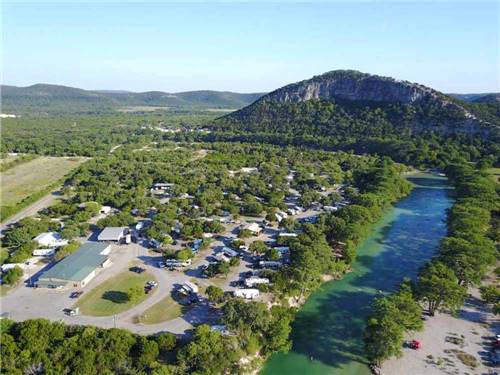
{"type": "Point", "coordinates": [161, 265]}
{"type": "Point", "coordinates": [137, 269]}
{"type": "Point", "coordinates": [72, 312]}
{"type": "Point", "coordinates": [76, 294]}
{"type": "Point", "coordinates": [152, 284]}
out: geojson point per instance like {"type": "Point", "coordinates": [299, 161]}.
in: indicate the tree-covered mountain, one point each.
{"type": "Point", "coordinates": [352, 110]}
{"type": "Point", "coordinates": [490, 98]}
{"type": "Point", "coordinates": [44, 98]}
{"type": "Point", "coordinates": [474, 97]}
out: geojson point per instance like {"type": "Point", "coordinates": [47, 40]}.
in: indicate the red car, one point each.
{"type": "Point", "coordinates": [415, 344]}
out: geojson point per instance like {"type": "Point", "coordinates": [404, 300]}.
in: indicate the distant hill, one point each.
{"type": "Point", "coordinates": [45, 98]}
{"type": "Point", "coordinates": [488, 99]}
{"type": "Point", "coordinates": [475, 98]}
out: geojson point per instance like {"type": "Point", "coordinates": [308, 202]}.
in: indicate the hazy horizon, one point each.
{"type": "Point", "coordinates": [202, 89]}
{"type": "Point", "coordinates": [248, 48]}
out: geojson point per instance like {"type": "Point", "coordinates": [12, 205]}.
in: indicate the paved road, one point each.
{"type": "Point", "coordinates": [43, 202]}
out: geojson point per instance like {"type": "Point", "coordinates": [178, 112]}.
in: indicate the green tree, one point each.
{"type": "Point", "coordinates": [439, 288]}
{"type": "Point", "coordinates": [208, 353]}
{"type": "Point", "coordinates": [166, 342]}
{"type": "Point", "coordinates": [184, 254]}
{"type": "Point", "coordinates": [257, 247]}
{"type": "Point", "coordinates": [383, 335]}
{"type": "Point", "coordinates": [215, 294]}
{"type": "Point", "coordinates": [490, 293]}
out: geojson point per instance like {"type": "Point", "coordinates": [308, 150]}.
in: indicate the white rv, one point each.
{"type": "Point", "coordinates": [247, 293]}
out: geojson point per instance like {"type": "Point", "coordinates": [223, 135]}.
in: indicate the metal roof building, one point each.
{"type": "Point", "coordinates": [112, 234]}
{"type": "Point", "coordinates": [78, 268]}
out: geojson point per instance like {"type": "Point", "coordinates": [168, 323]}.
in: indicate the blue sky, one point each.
{"type": "Point", "coordinates": [249, 47]}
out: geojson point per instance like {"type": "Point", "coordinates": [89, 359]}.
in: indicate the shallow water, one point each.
{"type": "Point", "coordinates": [328, 331]}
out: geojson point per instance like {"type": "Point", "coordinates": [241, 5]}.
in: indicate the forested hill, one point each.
{"type": "Point", "coordinates": [477, 98]}
{"type": "Point", "coordinates": [353, 110]}
{"type": "Point", "coordinates": [52, 99]}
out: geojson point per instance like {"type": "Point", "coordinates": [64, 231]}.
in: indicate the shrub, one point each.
{"type": "Point", "coordinates": [13, 275]}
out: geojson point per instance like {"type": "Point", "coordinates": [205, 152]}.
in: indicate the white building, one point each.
{"type": "Point", "coordinates": [113, 234]}
{"type": "Point", "coordinates": [255, 228]}
{"type": "Point", "coordinates": [188, 287]}
{"type": "Point", "coordinates": [248, 169]}
{"type": "Point", "coordinates": [252, 281]}
{"type": "Point", "coordinates": [50, 239]}
{"type": "Point", "coordinates": [247, 293]}
{"type": "Point", "coordinates": [105, 210]}
{"type": "Point", "coordinates": [330, 208]}
{"type": "Point", "coordinates": [222, 258]}
{"type": "Point", "coordinates": [44, 252]}
{"type": "Point", "coordinates": [161, 187]}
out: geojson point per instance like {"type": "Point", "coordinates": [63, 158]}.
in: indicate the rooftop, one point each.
{"type": "Point", "coordinates": [78, 265]}
{"type": "Point", "coordinates": [47, 236]}
{"type": "Point", "coordinates": [111, 233]}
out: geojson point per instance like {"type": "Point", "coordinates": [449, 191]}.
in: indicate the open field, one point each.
{"type": "Point", "coordinates": [25, 179]}
{"type": "Point", "coordinates": [8, 158]}
{"type": "Point", "coordinates": [110, 297]}
{"type": "Point", "coordinates": [141, 108]}
{"type": "Point", "coordinates": [165, 310]}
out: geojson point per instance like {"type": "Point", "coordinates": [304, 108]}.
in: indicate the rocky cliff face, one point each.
{"type": "Point", "coordinates": [437, 112]}
{"type": "Point", "coordinates": [356, 86]}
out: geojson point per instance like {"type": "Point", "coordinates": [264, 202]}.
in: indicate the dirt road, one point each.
{"type": "Point", "coordinates": [32, 209]}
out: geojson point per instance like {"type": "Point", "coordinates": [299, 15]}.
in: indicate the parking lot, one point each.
{"type": "Point", "coordinates": [25, 302]}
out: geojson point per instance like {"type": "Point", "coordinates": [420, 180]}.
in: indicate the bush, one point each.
{"type": "Point", "coordinates": [245, 233]}
{"type": "Point", "coordinates": [234, 262]}
{"type": "Point", "coordinates": [12, 276]}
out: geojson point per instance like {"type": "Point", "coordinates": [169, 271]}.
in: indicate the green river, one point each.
{"type": "Point", "coordinates": [328, 331]}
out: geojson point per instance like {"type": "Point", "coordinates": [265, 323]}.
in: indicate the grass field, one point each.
{"type": "Point", "coordinates": [8, 159]}
{"type": "Point", "coordinates": [165, 310]}
{"type": "Point", "coordinates": [110, 297]}
{"type": "Point", "coordinates": [25, 179]}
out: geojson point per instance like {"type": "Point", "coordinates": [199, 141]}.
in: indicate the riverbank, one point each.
{"type": "Point", "coordinates": [328, 331]}
{"type": "Point", "coordinates": [451, 345]}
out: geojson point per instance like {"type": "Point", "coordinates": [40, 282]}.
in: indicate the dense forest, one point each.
{"type": "Point", "coordinates": [91, 135]}
{"type": "Point", "coordinates": [384, 129]}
